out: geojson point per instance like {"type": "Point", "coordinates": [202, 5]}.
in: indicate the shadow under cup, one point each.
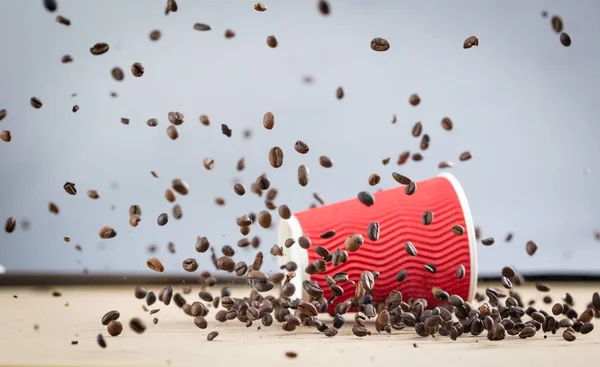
{"type": "Point", "coordinates": [400, 218]}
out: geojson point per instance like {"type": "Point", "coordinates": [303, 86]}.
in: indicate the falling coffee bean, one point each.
{"type": "Point", "coordinates": [401, 179]}
{"type": "Point", "coordinates": [51, 5]}
{"type": "Point", "coordinates": [460, 271]}
{"type": "Point", "coordinates": [137, 69]}
{"type": "Point", "coordinates": [531, 248]}
{"type": "Point", "coordinates": [410, 249]}
{"type": "Point", "coordinates": [557, 23]}
{"type": "Point", "coordinates": [470, 42]}
{"type": "Point", "coordinates": [403, 157]}
{"type": "Point", "coordinates": [260, 7]}
{"type": "Point", "coordinates": [401, 276]}
{"type": "Point", "coordinates": [239, 189]}
{"type": "Point", "coordinates": [301, 147]}
{"type": "Point", "coordinates": [324, 7]}
{"type": "Point", "coordinates": [373, 231]}
{"type": "Point", "coordinates": [263, 182]}
{"type": "Point", "coordinates": [155, 35]}
{"type": "Point", "coordinates": [69, 188]}
{"type": "Point", "coordinates": [447, 123]}
{"type": "Point", "coordinates": [304, 242]}
{"type": "Point", "coordinates": [101, 341]}
{"type": "Point", "coordinates": [424, 145]}
{"type": "Point", "coordinates": [465, 156]}
{"type": "Point", "coordinates": [430, 268]}
{"type": "Point", "coordinates": [354, 242]}
{"type": "Point", "coordinates": [117, 73]}
{"type": "Point", "coordinates": [506, 283]}
{"type": "Point", "coordinates": [269, 120]}
{"type": "Point", "coordinates": [212, 335]}
{"type": "Point", "coordinates": [140, 292]}
{"type": "Point", "coordinates": [201, 27]}
{"type": "Point", "coordinates": [325, 162]}
{"type": "Point", "coordinates": [327, 235]}
{"type": "Point", "coordinates": [276, 157]}
{"type": "Point", "coordinates": [107, 232]}
{"type": "Point", "coordinates": [427, 218]}
{"type": "Point", "coordinates": [99, 48]}
{"type": "Point", "coordinates": [542, 287]}
{"type": "Point", "coordinates": [565, 39]}
{"type": "Point", "coordinates": [190, 265]}
{"type": "Point", "coordinates": [2, 114]}
{"type": "Point", "coordinates": [35, 102]}
{"type": "Point", "coordinates": [162, 219]}
{"type": "Point", "coordinates": [379, 44]}
{"type": "Point", "coordinates": [458, 230]}
{"type": "Point", "coordinates": [265, 219]}
{"type": "Point", "coordinates": [339, 93]}
{"type": "Point", "coordinates": [137, 325]}
{"type": "Point", "coordinates": [417, 129]}
{"type": "Point", "coordinates": [272, 41]}
{"type": "Point", "coordinates": [180, 186]}
{"type": "Point", "coordinates": [366, 198]}
{"type": "Point", "coordinates": [410, 188]}
{"type": "Point", "coordinates": [152, 122]}
{"type": "Point", "coordinates": [229, 33]}
{"type": "Point", "coordinates": [110, 316]}
{"type": "Point", "coordinates": [487, 241]}
{"type": "Point", "coordinates": [303, 175]}
{"type": "Point", "coordinates": [155, 264]}
{"type": "Point", "coordinates": [114, 328]}
{"type": "Point", "coordinates": [10, 225]}
{"type": "Point", "coordinates": [374, 179]}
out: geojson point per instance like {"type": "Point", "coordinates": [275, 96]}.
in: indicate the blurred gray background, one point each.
{"type": "Point", "coordinates": [524, 105]}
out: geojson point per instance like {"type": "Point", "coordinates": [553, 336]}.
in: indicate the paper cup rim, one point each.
{"type": "Point", "coordinates": [291, 228]}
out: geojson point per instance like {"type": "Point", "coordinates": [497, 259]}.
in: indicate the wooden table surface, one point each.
{"type": "Point", "coordinates": [176, 341]}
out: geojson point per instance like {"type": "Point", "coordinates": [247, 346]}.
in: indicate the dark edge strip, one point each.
{"type": "Point", "coordinates": [19, 280]}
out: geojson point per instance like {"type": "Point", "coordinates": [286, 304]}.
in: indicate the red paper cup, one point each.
{"type": "Point", "coordinates": [399, 216]}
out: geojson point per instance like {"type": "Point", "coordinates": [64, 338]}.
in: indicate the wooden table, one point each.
{"type": "Point", "coordinates": [175, 340]}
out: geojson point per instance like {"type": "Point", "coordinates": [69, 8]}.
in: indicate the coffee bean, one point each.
{"type": "Point", "coordinates": [354, 242]}
{"type": "Point", "coordinates": [110, 316]}
{"type": "Point", "coordinates": [137, 325]}
{"type": "Point", "coordinates": [427, 218]}
{"type": "Point", "coordinates": [265, 219]}
{"type": "Point", "coordinates": [170, 195]}
{"type": "Point", "coordinates": [303, 175]}
{"type": "Point", "coordinates": [172, 132]}
{"type": "Point", "coordinates": [401, 276]}
{"type": "Point", "coordinates": [506, 283]}
{"type": "Point", "coordinates": [201, 27]}
{"type": "Point", "coordinates": [565, 39]}
{"type": "Point", "coordinates": [557, 23]}
{"type": "Point", "coordinates": [417, 157]}
{"type": "Point", "coordinates": [596, 301]}
{"type": "Point", "coordinates": [417, 129]}
{"type": "Point", "coordinates": [117, 73]}
{"type": "Point", "coordinates": [327, 235]}
{"type": "Point", "coordinates": [304, 242]}
{"type": "Point", "coordinates": [180, 186]}
{"type": "Point", "coordinates": [107, 232]}
{"type": "Point", "coordinates": [155, 35]}
{"type": "Point", "coordinates": [239, 189]}
{"type": "Point", "coordinates": [137, 70]}
{"type": "Point", "coordinates": [75, 108]}
{"type": "Point", "coordinates": [162, 219]}
{"type": "Point", "coordinates": [410, 188]}
{"type": "Point", "coordinates": [175, 118]}
{"type": "Point", "coordinates": [204, 120]}
{"type": "Point", "coordinates": [445, 164]}
{"type": "Point", "coordinates": [366, 198]}
{"type": "Point", "coordinates": [101, 341]}
{"type": "Point", "coordinates": [152, 122]}
{"type": "Point", "coordinates": [531, 248]}
{"type": "Point", "coordinates": [401, 179]}
{"type": "Point", "coordinates": [403, 158]}
{"type": "Point", "coordinates": [35, 102]}
{"type": "Point", "coordinates": [2, 114]}
{"type": "Point", "coordinates": [276, 157]}
{"type": "Point", "coordinates": [542, 287]}
{"type": "Point", "coordinates": [190, 265]}
{"type": "Point", "coordinates": [93, 194]}
{"type": "Point", "coordinates": [458, 230]}
{"type": "Point", "coordinates": [263, 182]}
{"type": "Point", "coordinates": [568, 336]}
{"type": "Point", "coordinates": [99, 48]}
{"type": "Point", "coordinates": [260, 7]}
{"type": "Point", "coordinates": [140, 292]}
{"type": "Point", "coordinates": [374, 179]}
{"type": "Point", "coordinates": [410, 249]}
{"type": "Point", "coordinates": [50, 5]}
{"type": "Point", "coordinates": [10, 225]}
{"type": "Point", "coordinates": [301, 147]}
{"type": "Point", "coordinates": [487, 241]}
{"type": "Point", "coordinates": [379, 44]}
{"type": "Point", "coordinates": [508, 272]}
{"type": "Point", "coordinates": [125, 121]}
{"type": "Point", "coordinates": [150, 298]}
{"type": "Point", "coordinates": [373, 231]}
{"type": "Point", "coordinates": [177, 212]}
{"type": "Point", "coordinates": [225, 263]}
{"type": "Point", "coordinates": [424, 145]}
{"type": "Point", "coordinates": [360, 331]}
{"type": "Point", "coordinates": [339, 93]}
{"type": "Point", "coordinates": [465, 156]}
{"type": "Point", "coordinates": [324, 7]}
{"type": "Point", "coordinates": [155, 264]}
{"type": "Point", "coordinates": [586, 328]}
{"type": "Point", "coordinates": [171, 6]}
{"type": "Point", "coordinates": [114, 328]}
{"type": "Point", "coordinates": [447, 123]}
{"type": "Point", "coordinates": [460, 271]}
{"type": "Point", "coordinates": [470, 42]}
{"type": "Point", "coordinates": [272, 41]}
{"type": "Point", "coordinates": [229, 33]}
{"type": "Point", "coordinates": [284, 212]}
{"type": "Point", "coordinates": [430, 268]}
{"type": "Point", "coordinates": [69, 188]}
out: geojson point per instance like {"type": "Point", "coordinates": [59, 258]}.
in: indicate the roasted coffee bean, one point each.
{"type": "Point", "coordinates": [265, 219]}
{"type": "Point", "coordinates": [464, 156]}
{"type": "Point", "coordinates": [339, 93]}
{"type": "Point", "coordinates": [506, 283]}
{"type": "Point", "coordinates": [51, 5]}
{"type": "Point", "coordinates": [324, 7]}
{"type": "Point", "coordinates": [410, 249]}
{"type": "Point", "coordinates": [327, 235]}
{"type": "Point", "coordinates": [263, 182]}
{"type": "Point", "coordinates": [430, 268]}
{"type": "Point", "coordinates": [227, 250]}
{"type": "Point", "coordinates": [410, 188]}
{"type": "Point", "coordinates": [99, 48]}
{"type": "Point", "coordinates": [172, 6]}
{"type": "Point", "coordinates": [304, 242]}
{"type": "Point", "coordinates": [303, 175]}
{"type": "Point", "coordinates": [368, 280]}
{"type": "Point", "coordinates": [366, 198]}
{"type": "Point", "coordinates": [152, 122]}
{"type": "Point", "coordinates": [565, 39]}
{"type": "Point", "coordinates": [586, 328]}
{"type": "Point", "coordinates": [284, 212]}
{"type": "Point", "coordinates": [417, 157]}
{"type": "Point", "coordinates": [155, 264]}
{"type": "Point", "coordinates": [354, 242]}
{"type": "Point", "coordinates": [379, 44]}
{"type": "Point", "coordinates": [225, 263]}
{"type": "Point", "coordinates": [229, 33]}
{"type": "Point", "coordinates": [10, 225]}
{"type": "Point", "coordinates": [260, 7]}
{"type": "Point", "coordinates": [531, 248]}
{"type": "Point", "coordinates": [508, 272]}
{"type": "Point", "coordinates": [587, 315]}
{"type": "Point", "coordinates": [447, 123]}
{"type": "Point", "coordinates": [568, 336]}
{"type": "Point", "coordinates": [200, 322]}
{"type": "Point", "coordinates": [360, 331]}
{"type": "Point", "coordinates": [110, 316]}
{"type": "Point", "coordinates": [93, 194]}
{"type": "Point", "coordinates": [140, 292]}
{"type": "Point", "coordinates": [547, 300]}
{"type": "Point", "coordinates": [150, 298]}
{"type": "Point", "coordinates": [6, 136]}
{"type": "Point", "coordinates": [179, 300]}
{"type": "Point", "coordinates": [155, 35]}
{"type": "Point", "coordinates": [202, 244]}
{"type": "Point", "coordinates": [401, 179]}
{"type": "Point", "coordinates": [202, 27]}
{"type": "Point", "coordinates": [596, 301]}
{"type": "Point", "coordinates": [114, 328]}
{"type": "Point", "coordinates": [170, 195]}
{"type": "Point", "coordinates": [424, 145]}
{"type": "Point", "coordinates": [374, 179]}
{"type": "Point", "coordinates": [470, 42]}
{"type": "Point", "coordinates": [225, 130]}
{"type": "Point", "coordinates": [107, 232]}
{"type": "Point", "coordinates": [417, 129]}
{"type": "Point", "coordinates": [487, 241]}
{"type": "Point", "coordinates": [212, 335]}
{"type": "Point", "coordinates": [325, 162]}
{"type": "Point", "coordinates": [269, 120]}
{"type": "Point", "coordinates": [460, 271]}
{"type": "Point", "coordinates": [458, 230]}
{"type": "Point", "coordinates": [276, 157]}
{"type": "Point", "coordinates": [445, 164]}
{"type": "Point", "coordinates": [542, 287]}
{"type": "Point", "coordinates": [401, 276]}
{"type": "Point", "coordinates": [180, 186]}
{"type": "Point", "coordinates": [301, 147]}
{"type": "Point", "coordinates": [69, 188]}
{"type": "Point", "coordinates": [340, 277]}
{"type": "Point", "coordinates": [101, 341]}
{"type": "Point", "coordinates": [272, 41]}
{"type": "Point", "coordinates": [373, 231]}
{"type": "Point", "coordinates": [338, 257]}
{"type": "Point", "coordinates": [190, 265]}
{"type": "Point", "coordinates": [137, 325]}
{"type": "Point", "coordinates": [162, 219]}
{"type": "Point", "coordinates": [427, 218]}
{"type": "Point", "coordinates": [557, 23]}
